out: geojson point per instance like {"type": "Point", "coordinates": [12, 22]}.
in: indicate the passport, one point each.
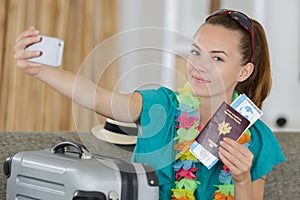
{"type": "Point", "coordinates": [228, 121]}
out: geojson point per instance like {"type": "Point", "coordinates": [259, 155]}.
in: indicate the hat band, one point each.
{"type": "Point", "coordinates": [120, 129]}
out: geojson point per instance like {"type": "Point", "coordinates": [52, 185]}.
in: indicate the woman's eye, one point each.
{"type": "Point", "coordinates": [216, 58]}
{"type": "Point", "coordinates": [195, 52]}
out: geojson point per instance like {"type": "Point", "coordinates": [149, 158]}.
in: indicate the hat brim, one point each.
{"type": "Point", "coordinates": [112, 137]}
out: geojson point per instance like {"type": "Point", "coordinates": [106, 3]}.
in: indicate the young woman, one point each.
{"type": "Point", "coordinates": [229, 56]}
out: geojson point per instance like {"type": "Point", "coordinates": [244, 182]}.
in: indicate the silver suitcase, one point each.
{"type": "Point", "coordinates": [70, 172]}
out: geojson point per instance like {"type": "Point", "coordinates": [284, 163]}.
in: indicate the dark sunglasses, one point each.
{"type": "Point", "coordinates": [242, 19]}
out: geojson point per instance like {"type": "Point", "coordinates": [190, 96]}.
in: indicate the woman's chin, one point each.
{"type": "Point", "coordinates": [200, 90]}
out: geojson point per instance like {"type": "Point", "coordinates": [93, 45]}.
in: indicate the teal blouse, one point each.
{"type": "Point", "coordinates": [155, 145]}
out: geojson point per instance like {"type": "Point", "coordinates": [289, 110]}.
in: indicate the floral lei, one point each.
{"type": "Point", "coordinates": [188, 129]}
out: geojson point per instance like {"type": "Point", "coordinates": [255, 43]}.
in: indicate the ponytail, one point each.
{"type": "Point", "coordinates": [257, 87]}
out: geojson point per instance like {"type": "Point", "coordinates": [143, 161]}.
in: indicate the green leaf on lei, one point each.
{"type": "Point", "coordinates": [178, 193]}
{"type": "Point", "coordinates": [187, 134]}
{"type": "Point", "coordinates": [188, 99]}
{"type": "Point", "coordinates": [248, 132]}
{"type": "Point", "coordinates": [226, 189]}
{"type": "Point", "coordinates": [186, 156]}
{"type": "Point", "coordinates": [235, 95]}
{"type": "Point", "coordinates": [188, 184]}
{"type": "Point", "coordinates": [186, 88]}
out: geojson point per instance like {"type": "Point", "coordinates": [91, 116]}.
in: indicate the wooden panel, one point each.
{"type": "Point", "coordinates": [3, 98]}
{"type": "Point", "coordinates": [214, 5]}
{"type": "Point", "coordinates": [27, 104]}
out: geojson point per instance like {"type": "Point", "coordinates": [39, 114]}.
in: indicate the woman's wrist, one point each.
{"type": "Point", "coordinates": [243, 188]}
{"type": "Point", "coordinates": [38, 74]}
{"type": "Point", "coordinates": [242, 182]}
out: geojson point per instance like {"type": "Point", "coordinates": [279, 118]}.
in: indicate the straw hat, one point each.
{"type": "Point", "coordinates": [116, 132]}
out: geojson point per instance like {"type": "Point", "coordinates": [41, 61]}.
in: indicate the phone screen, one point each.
{"type": "Point", "coordinates": [52, 51]}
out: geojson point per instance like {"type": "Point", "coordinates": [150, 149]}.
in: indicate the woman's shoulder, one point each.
{"type": "Point", "coordinates": [161, 95]}
{"type": "Point", "coordinates": [158, 90]}
{"type": "Point", "coordinates": [262, 133]}
{"type": "Point", "coordinates": [265, 148]}
{"type": "Point", "coordinates": [259, 124]}
{"type": "Point", "coordinates": [260, 128]}
{"type": "Point", "coordinates": [262, 136]}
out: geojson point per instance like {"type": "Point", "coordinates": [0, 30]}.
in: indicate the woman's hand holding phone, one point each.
{"type": "Point", "coordinates": [25, 39]}
{"type": "Point", "coordinates": [32, 51]}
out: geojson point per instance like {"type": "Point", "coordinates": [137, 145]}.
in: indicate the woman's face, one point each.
{"type": "Point", "coordinates": [214, 62]}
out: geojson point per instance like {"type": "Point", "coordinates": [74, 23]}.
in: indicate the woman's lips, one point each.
{"type": "Point", "coordinates": [198, 79]}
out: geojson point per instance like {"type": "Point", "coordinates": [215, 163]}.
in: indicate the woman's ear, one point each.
{"type": "Point", "coordinates": [245, 72]}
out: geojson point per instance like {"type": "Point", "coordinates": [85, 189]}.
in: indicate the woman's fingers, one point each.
{"type": "Point", "coordinates": [24, 64]}
{"type": "Point", "coordinates": [31, 32]}
{"type": "Point", "coordinates": [235, 156]}
{"type": "Point", "coordinates": [23, 41]}
{"type": "Point", "coordinates": [236, 149]}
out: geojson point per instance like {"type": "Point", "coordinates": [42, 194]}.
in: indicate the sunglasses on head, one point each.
{"type": "Point", "coordinates": [242, 19]}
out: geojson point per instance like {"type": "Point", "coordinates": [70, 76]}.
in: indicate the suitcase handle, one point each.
{"type": "Point", "coordinates": [82, 150]}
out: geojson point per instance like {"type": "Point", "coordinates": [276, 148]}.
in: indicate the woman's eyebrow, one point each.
{"type": "Point", "coordinates": [219, 51]}
{"type": "Point", "coordinates": [197, 47]}
{"type": "Point", "coordinates": [214, 51]}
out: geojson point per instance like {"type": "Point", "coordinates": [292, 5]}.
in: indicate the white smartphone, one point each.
{"type": "Point", "coordinates": [52, 51]}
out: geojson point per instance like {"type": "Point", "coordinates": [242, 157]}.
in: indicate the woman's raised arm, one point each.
{"type": "Point", "coordinates": [122, 107]}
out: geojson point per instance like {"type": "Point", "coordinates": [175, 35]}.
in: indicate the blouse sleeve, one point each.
{"type": "Point", "coordinates": [157, 129]}
{"type": "Point", "coordinates": [266, 149]}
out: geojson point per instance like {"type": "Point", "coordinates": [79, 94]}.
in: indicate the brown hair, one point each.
{"type": "Point", "coordinates": [258, 85]}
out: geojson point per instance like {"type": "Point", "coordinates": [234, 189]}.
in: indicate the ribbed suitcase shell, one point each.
{"type": "Point", "coordinates": [58, 174]}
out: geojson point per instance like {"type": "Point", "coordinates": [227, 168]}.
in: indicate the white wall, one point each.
{"type": "Point", "coordinates": [140, 66]}
{"type": "Point", "coordinates": [156, 31]}
{"type": "Point", "coordinates": [282, 22]}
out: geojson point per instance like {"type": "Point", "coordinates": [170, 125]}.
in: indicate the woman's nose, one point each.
{"type": "Point", "coordinates": [202, 64]}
